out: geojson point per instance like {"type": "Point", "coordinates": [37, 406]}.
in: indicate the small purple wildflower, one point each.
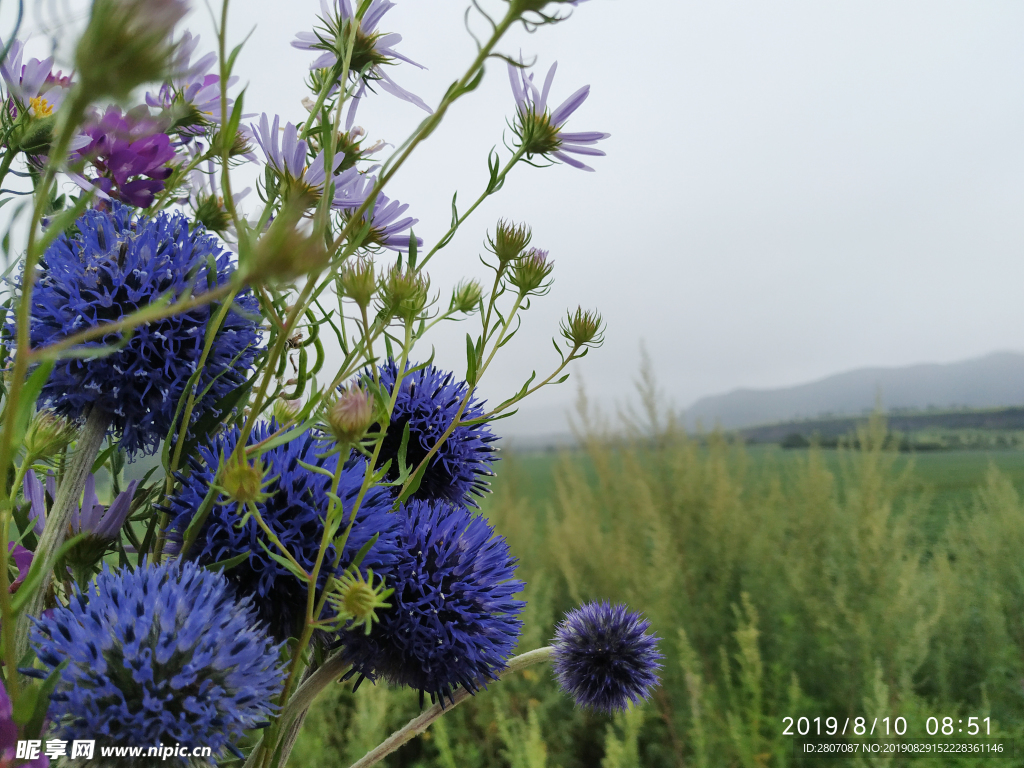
{"type": "Point", "coordinates": [372, 51]}
{"type": "Point", "coordinates": [130, 153]}
{"type": "Point", "coordinates": [193, 94]}
{"type": "Point", "coordinates": [540, 130]}
{"type": "Point", "coordinates": [90, 517]}
{"type": "Point", "coordinates": [287, 156]}
{"type": "Point", "coordinates": [604, 658]}
{"type": "Point", "coordinates": [163, 654]}
{"type": "Point", "coordinates": [32, 85]}
{"type": "Point", "coordinates": [388, 229]}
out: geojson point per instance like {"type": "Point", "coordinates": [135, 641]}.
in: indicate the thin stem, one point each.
{"type": "Point", "coordinates": [491, 189]}
{"type": "Point", "coordinates": [418, 725]}
{"type": "Point", "coordinates": [186, 419]}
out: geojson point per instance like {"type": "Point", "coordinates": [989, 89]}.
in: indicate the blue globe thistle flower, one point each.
{"type": "Point", "coordinates": [161, 654]}
{"type": "Point", "coordinates": [112, 264]}
{"type": "Point", "coordinates": [295, 504]}
{"type": "Point", "coordinates": [453, 620]}
{"type": "Point", "coordinates": [427, 402]}
{"type": "Point", "coordinates": [604, 658]}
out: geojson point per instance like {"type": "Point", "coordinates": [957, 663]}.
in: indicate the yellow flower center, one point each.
{"type": "Point", "coordinates": [39, 107]}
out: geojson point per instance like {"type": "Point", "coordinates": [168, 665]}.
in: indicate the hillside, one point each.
{"type": "Point", "coordinates": [993, 381]}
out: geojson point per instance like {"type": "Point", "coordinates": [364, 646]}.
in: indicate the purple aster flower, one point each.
{"type": "Point", "coordinates": [100, 521]}
{"type": "Point", "coordinates": [540, 130]}
{"type": "Point", "coordinates": [604, 658]}
{"type": "Point", "coordinates": [32, 85]}
{"type": "Point", "coordinates": [427, 403]}
{"type": "Point", "coordinates": [372, 52]}
{"type": "Point", "coordinates": [23, 561]}
{"type": "Point", "coordinates": [296, 501]}
{"type": "Point", "coordinates": [454, 620]}
{"type": "Point", "coordinates": [163, 654]}
{"type": "Point", "coordinates": [114, 263]}
{"type": "Point", "coordinates": [388, 227]}
{"type": "Point", "coordinates": [287, 156]}
{"type": "Point", "coordinates": [130, 154]}
{"type": "Point", "coordinates": [193, 93]}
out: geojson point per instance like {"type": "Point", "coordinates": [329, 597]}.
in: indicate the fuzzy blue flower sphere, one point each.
{"type": "Point", "coordinates": [604, 658]}
{"type": "Point", "coordinates": [160, 654]}
{"type": "Point", "coordinates": [110, 265]}
{"type": "Point", "coordinates": [427, 402]}
{"type": "Point", "coordinates": [453, 620]}
{"type": "Point", "coordinates": [294, 508]}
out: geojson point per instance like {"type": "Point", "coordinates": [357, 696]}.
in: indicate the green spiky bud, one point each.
{"type": "Point", "coordinates": [286, 412]}
{"type": "Point", "coordinates": [530, 273]}
{"type": "Point", "coordinates": [466, 296]}
{"type": "Point", "coordinates": [404, 294]}
{"type": "Point", "coordinates": [126, 43]}
{"type": "Point", "coordinates": [350, 415]}
{"type": "Point", "coordinates": [48, 434]}
{"type": "Point", "coordinates": [509, 241]}
{"type": "Point", "coordinates": [241, 481]}
{"type": "Point", "coordinates": [583, 329]}
{"type": "Point", "coordinates": [358, 281]}
{"type": "Point", "coordinates": [357, 600]}
{"type": "Point", "coordinates": [287, 251]}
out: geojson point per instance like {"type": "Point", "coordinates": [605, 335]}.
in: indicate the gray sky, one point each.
{"type": "Point", "coordinates": [791, 188]}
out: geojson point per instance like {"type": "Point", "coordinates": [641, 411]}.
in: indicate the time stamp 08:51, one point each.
{"type": "Point", "coordinates": [883, 726]}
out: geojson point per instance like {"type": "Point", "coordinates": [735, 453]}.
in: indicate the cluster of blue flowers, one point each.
{"type": "Point", "coordinates": [259, 521]}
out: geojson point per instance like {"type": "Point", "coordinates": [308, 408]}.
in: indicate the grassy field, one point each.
{"type": "Point", "coordinates": [800, 583]}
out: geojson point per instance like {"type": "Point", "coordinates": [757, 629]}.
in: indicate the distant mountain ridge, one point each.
{"type": "Point", "coordinates": [992, 381]}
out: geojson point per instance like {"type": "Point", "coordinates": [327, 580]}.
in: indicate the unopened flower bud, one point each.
{"type": "Point", "coordinates": [286, 251]}
{"type": "Point", "coordinates": [530, 273]}
{"type": "Point", "coordinates": [358, 281]}
{"type": "Point", "coordinates": [210, 212]}
{"type": "Point", "coordinates": [241, 480]}
{"type": "Point", "coordinates": [404, 294]}
{"type": "Point", "coordinates": [48, 435]}
{"type": "Point", "coordinates": [466, 296]}
{"type": "Point", "coordinates": [509, 241]}
{"type": "Point", "coordinates": [584, 329]}
{"type": "Point", "coordinates": [350, 415]}
{"type": "Point", "coordinates": [287, 412]}
{"type": "Point", "coordinates": [127, 43]}
{"type": "Point", "coordinates": [357, 600]}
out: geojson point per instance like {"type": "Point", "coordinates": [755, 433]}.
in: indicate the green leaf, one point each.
{"type": "Point", "coordinates": [283, 562]}
{"type": "Point", "coordinates": [363, 550]}
{"type": "Point", "coordinates": [231, 129]}
{"type": "Point", "coordinates": [231, 562]}
{"type": "Point", "coordinates": [42, 692]}
{"type": "Point", "coordinates": [471, 360]}
{"type": "Point", "coordinates": [196, 525]}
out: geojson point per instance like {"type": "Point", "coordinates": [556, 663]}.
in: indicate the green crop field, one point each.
{"type": "Point", "coordinates": [784, 583]}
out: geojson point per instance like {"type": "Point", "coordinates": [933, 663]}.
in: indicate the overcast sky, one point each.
{"type": "Point", "coordinates": [792, 189]}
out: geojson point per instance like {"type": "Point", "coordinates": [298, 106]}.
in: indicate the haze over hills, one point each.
{"type": "Point", "coordinates": [992, 381]}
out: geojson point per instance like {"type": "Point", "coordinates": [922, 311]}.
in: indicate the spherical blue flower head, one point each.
{"type": "Point", "coordinates": [453, 619]}
{"type": "Point", "coordinates": [427, 402]}
{"type": "Point", "coordinates": [114, 264]}
{"type": "Point", "coordinates": [161, 654]}
{"type": "Point", "coordinates": [604, 658]}
{"type": "Point", "coordinates": [296, 503]}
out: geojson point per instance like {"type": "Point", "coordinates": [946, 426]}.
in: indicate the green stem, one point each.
{"type": "Point", "coordinates": [418, 725]}
{"type": "Point", "coordinates": [186, 419]}
{"type": "Point", "coordinates": [491, 189]}
{"type": "Point", "coordinates": [57, 521]}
